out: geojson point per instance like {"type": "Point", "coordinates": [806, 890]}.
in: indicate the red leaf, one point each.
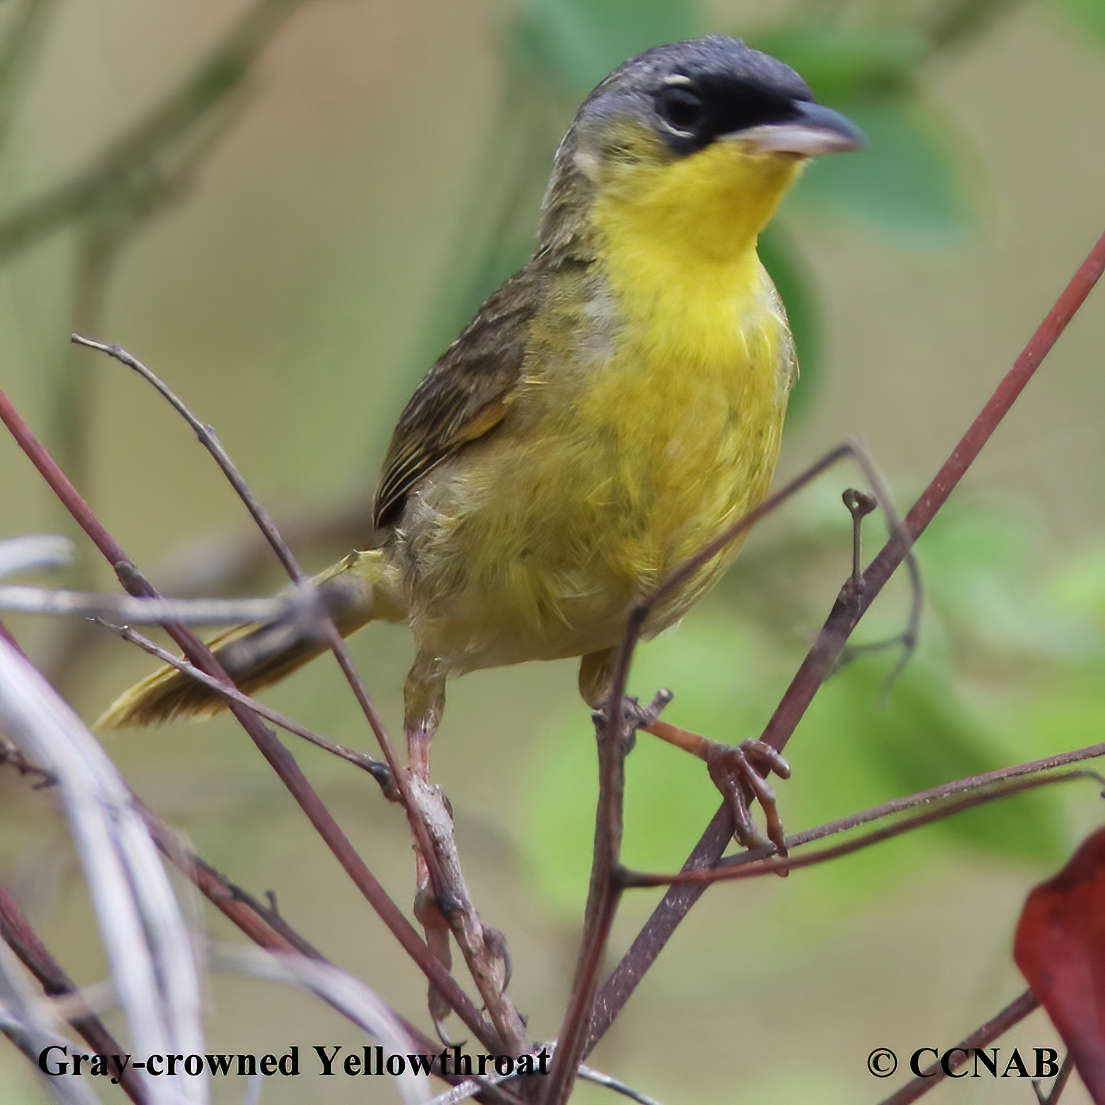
{"type": "Point", "coordinates": [1060, 949]}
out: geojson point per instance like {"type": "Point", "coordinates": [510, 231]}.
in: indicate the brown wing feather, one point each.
{"type": "Point", "coordinates": [466, 393]}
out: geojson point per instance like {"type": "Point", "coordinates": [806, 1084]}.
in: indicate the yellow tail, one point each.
{"type": "Point", "coordinates": [362, 588]}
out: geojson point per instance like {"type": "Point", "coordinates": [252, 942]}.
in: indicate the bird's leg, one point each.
{"type": "Point", "coordinates": [442, 903]}
{"type": "Point", "coordinates": [424, 699]}
{"type": "Point", "coordinates": [736, 770]}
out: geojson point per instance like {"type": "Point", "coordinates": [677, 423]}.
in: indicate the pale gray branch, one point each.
{"type": "Point", "coordinates": [140, 611]}
{"type": "Point", "coordinates": [147, 943]}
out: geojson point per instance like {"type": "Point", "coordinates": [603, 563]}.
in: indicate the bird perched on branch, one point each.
{"type": "Point", "coordinates": [611, 409]}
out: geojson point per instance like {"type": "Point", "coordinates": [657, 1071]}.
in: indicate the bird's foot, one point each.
{"type": "Point", "coordinates": [743, 769]}
{"type": "Point", "coordinates": [739, 772]}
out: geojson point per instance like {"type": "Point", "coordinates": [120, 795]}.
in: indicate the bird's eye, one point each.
{"type": "Point", "coordinates": [682, 109]}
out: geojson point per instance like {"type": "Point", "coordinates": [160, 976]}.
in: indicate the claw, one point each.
{"type": "Point", "coordinates": [436, 930]}
{"type": "Point", "coordinates": [733, 769]}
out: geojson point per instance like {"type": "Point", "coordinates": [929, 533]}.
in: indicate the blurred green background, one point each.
{"type": "Point", "coordinates": [293, 246]}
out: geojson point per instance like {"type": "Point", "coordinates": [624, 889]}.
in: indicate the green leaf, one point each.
{"type": "Point", "coordinates": [1087, 15]}
{"type": "Point", "coordinates": [844, 61]}
{"type": "Point", "coordinates": [925, 735]}
{"type": "Point", "coordinates": [1079, 585]}
{"type": "Point", "coordinates": [982, 569]}
{"type": "Point", "coordinates": [583, 40]}
{"type": "Point", "coordinates": [907, 183]}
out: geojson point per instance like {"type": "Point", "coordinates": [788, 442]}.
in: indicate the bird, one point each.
{"type": "Point", "coordinates": [610, 409]}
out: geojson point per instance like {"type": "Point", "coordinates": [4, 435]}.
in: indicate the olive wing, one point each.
{"type": "Point", "coordinates": [466, 394]}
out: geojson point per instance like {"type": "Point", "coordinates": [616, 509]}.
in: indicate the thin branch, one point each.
{"type": "Point", "coordinates": [33, 1026]}
{"type": "Point", "coordinates": [147, 943]}
{"type": "Point", "coordinates": [359, 1004]}
{"type": "Point", "coordinates": [34, 552]}
{"type": "Point", "coordinates": [9, 754]}
{"type": "Point", "coordinates": [760, 861]}
{"type": "Point", "coordinates": [207, 437]}
{"type": "Point", "coordinates": [376, 768]}
{"type": "Point", "coordinates": [944, 791]}
{"type": "Point", "coordinates": [846, 614]}
{"type": "Point", "coordinates": [144, 611]}
{"type": "Point", "coordinates": [616, 730]}
{"type": "Point", "coordinates": [606, 877]}
{"type": "Point", "coordinates": [932, 1076]}
{"type": "Point", "coordinates": [1059, 1085]}
{"type": "Point", "coordinates": [261, 923]}
{"type": "Point", "coordinates": [589, 1074]}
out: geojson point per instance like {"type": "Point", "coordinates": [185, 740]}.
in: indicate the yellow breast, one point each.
{"type": "Point", "coordinates": [690, 410]}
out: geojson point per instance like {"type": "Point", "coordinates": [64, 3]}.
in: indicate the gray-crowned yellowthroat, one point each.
{"type": "Point", "coordinates": [611, 408]}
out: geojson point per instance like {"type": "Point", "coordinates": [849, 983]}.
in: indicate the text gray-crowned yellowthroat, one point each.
{"type": "Point", "coordinates": [611, 408]}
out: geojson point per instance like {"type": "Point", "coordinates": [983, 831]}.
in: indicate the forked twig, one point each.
{"type": "Point", "coordinates": [208, 438]}
{"type": "Point", "coordinates": [154, 970]}
{"type": "Point", "coordinates": [606, 873]}
{"type": "Point", "coordinates": [846, 613]}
